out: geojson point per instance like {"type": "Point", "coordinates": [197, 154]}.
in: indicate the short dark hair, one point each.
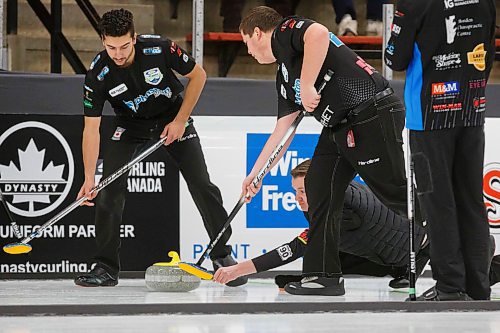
{"type": "Point", "coordinates": [301, 169]}
{"type": "Point", "coordinates": [265, 18]}
{"type": "Point", "coordinates": [117, 23]}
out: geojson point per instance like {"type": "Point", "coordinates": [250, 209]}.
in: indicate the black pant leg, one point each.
{"type": "Point", "coordinates": [326, 182]}
{"type": "Point", "coordinates": [342, 8]}
{"type": "Point", "coordinates": [374, 9]}
{"type": "Point", "coordinates": [471, 213]}
{"type": "Point", "coordinates": [352, 264]}
{"type": "Point", "coordinates": [231, 10]}
{"type": "Point", "coordinates": [110, 203]}
{"type": "Point", "coordinates": [207, 197]}
{"type": "Point", "coordinates": [377, 154]}
{"type": "Point", "coordinates": [283, 7]}
{"type": "Point", "coordinates": [379, 235]}
{"type": "Point", "coordinates": [432, 153]}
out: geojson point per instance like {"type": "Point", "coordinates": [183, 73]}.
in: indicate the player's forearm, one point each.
{"type": "Point", "coordinates": [316, 44]}
{"type": "Point", "coordinates": [194, 87]}
{"type": "Point", "coordinates": [280, 256]}
{"type": "Point", "coordinates": [90, 151]}
{"type": "Point", "coordinates": [245, 268]}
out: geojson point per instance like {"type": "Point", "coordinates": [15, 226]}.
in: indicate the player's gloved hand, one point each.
{"type": "Point", "coordinates": [226, 274]}
{"type": "Point", "coordinates": [173, 131]}
{"type": "Point", "coordinates": [310, 98]}
{"type": "Point", "coordinates": [87, 186]}
{"type": "Point", "coordinates": [248, 188]}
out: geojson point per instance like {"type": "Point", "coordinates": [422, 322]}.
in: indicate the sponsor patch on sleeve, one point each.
{"type": "Point", "coordinates": [96, 59]}
{"type": "Point", "coordinates": [303, 236]}
{"type": "Point", "coordinates": [285, 252]}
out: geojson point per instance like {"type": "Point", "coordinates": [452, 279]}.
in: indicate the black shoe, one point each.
{"type": "Point", "coordinates": [494, 263]}
{"type": "Point", "coordinates": [495, 270]}
{"type": "Point", "coordinates": [400, 275]}
{"type": "Point", "coordinates": [402, 281]}
{"type": "Point", "coordinates": [225, 262]}
{"type": "Point", "coordinates": [317, 285]}
{"type": "Point", "coordinates": [283, 280]}
{"type": "Point", "coordinates": [433, 294]}
{"type": "Point", "coordinates": [97, 277]}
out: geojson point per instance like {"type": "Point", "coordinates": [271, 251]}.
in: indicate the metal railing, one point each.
{"type": "Point", "coordinates": [59, 45]}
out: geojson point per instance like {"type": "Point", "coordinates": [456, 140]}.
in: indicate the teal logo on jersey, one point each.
{"type": "Point", "coordinates": [153, 76]}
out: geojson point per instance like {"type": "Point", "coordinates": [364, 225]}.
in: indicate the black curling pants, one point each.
{"type": "Point", "coordinates": [449, 174]}
{"type": "Point", "coordinates": [110, 202]}
{"type": "Point", "coordinates": [377, 156]}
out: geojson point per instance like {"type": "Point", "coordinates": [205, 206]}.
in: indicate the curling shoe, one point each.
{"type": "Point", "coordinates": [317, 285]}
{"type": "Point", "coordinates": [401, 281]}
{"type": "Point", "coordinates": [347, 26]}
{"type": "Point", "coordinates": [433, 294]}
{"type": "Point", "coordinates": [97, 277]}
{"type": "Point", "coordinates": [225, 262]}
{"type": "Point", "coordinates": [282, 280]}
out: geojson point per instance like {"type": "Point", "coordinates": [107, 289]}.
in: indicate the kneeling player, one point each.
{"type": "Point", "coordinates": [373, 239]}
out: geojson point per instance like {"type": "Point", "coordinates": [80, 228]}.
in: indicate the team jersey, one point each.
{"type": "Point", "coordinates": [145, 89]}
{"type": "Point", "coordinates": [447, 49]}
{"type": "Point", "coordinates": [353, 82]}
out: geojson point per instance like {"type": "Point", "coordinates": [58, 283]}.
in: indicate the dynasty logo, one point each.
{"type": "Point", "coordinates": [36, 168]}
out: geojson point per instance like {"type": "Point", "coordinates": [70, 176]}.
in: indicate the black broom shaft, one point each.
{"type": "Point", "coordinates": [263, 171]}
{"type": "Point", "coordinates": [108, 180]}
{"type": "Point", "coordinates": [411, 219]}
{"type": "Point", "coordinates": [7, 210]}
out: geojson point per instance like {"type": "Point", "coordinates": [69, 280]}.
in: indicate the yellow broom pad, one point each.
{"type": "Point", "coordinates": [200, 272]}
{"type": "Point", "coordinates": [17, 248]}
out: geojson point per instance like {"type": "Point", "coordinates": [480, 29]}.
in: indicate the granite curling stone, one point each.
{"type": "Point", "coordinates": [168, 277]}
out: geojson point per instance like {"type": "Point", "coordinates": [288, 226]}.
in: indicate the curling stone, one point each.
{"type": "Point", "coordinates": [168, 277]}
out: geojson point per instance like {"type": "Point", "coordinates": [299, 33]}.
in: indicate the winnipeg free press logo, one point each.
{"type": "Point", "coordinates": [275, 206]}
{"type": "Point", "coordinates": [30, 180]}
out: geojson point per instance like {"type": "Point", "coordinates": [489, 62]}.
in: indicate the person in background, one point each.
{"type": "Point", "coordinates": [447, 49]}
{"type": "Point", "coordinates": [345, 14]}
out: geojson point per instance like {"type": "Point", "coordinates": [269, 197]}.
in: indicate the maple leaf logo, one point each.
{"type": "Point", "coordinates": [31, 183]}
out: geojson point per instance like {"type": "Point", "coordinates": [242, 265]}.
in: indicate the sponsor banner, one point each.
{"type": "Point", "coordinates": [227, 158]}
{"type": "Point", "coordinates": [275, 206]}
{"type": "Point", "coordinates": [41, 172]}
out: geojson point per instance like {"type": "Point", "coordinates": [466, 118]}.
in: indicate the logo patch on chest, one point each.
{"type": "Point", "coordinates": [153, 76]}
{"type": "Point", "coordinates": [118, 90]}
{"type": "Point", "coordinates": [118, 134]}
{"type": "Point", "coordinates": [152, 50]}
